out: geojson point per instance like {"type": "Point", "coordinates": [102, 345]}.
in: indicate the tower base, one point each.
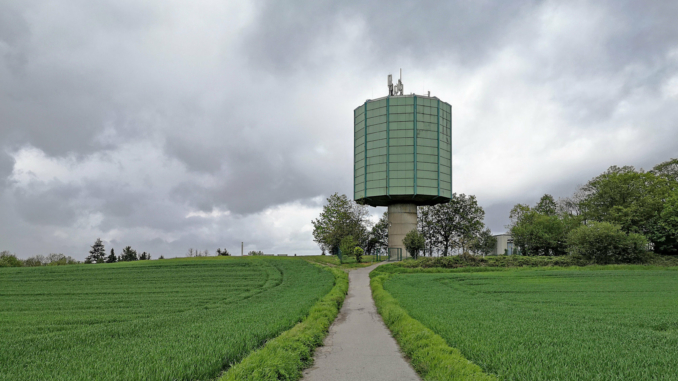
{"type": "Point", "coordinates": [402, 218]}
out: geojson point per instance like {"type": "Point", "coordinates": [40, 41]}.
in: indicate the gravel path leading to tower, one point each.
{"type": "Point", "coordinates": [359, 346]}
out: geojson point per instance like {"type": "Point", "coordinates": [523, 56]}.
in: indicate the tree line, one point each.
{"type": "Point", "coordinates": [443, 229]}
{"type": "Point", "coordinates": [618, 216]}
{"type": "Point", "coordinates": [8, 259]}
{"type": "Point", "coordinates": [98, 254]}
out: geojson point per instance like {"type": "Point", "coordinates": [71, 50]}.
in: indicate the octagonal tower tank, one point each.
{"type": "Point", "coordinates": [402, 157]}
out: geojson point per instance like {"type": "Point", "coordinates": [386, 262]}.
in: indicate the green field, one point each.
{"type": "Point", "coordinates": [347, 263]}
{"type": "Point", "coordinates": [604, 324]}
{"type": "Point", "coordinates": [183, 319]}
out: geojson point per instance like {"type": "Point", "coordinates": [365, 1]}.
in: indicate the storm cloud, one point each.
{"type": "Point", "coordinates": [169, 125]}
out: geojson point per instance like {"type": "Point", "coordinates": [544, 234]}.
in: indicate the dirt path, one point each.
{"type": "Point", "coordinates": [359, 346]}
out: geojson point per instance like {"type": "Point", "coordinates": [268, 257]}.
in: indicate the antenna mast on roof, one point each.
{"type": "Point", "coordinates": [398, 88]}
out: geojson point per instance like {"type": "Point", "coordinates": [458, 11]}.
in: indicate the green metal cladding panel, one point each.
{"type": "Point", "coordinates": [402, 151]}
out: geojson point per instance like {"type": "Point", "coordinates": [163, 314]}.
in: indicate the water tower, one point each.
{"type": "Point", "coordinates": [402, 157]}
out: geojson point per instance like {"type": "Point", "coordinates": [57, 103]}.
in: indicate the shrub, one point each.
{"type": "Point", "coordinates": [348, 245]}
{"type": "Point", "coordinates": [458, 261]}
{"type": "Point", "coordinates": [8, 259]}
{"type": "Point", "coordinates": [60, 260]}
{"type": "Point", "coordinates": [414, 242]}
{"type": "Point", "coordinates": [603, 242]}
{"type": "Point", "coordinates": [358, 253]}
{"type": "Point", "coordinates": [542, 235]}
{"type": "Point", "coordinates": [36, 261]}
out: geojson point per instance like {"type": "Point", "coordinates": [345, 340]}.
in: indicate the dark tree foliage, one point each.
{"type": "Point", "coordinates": [455, 224]}
{"type": "Point", "coordinates": [97, 253]}
{"type": "Point", "coordinates": [414, 243]}
{"type": "Point", "coordinates": [535, 233]}
{"type": "Point", "coordinates": [426, 228]}
{"type": "Point", "coordinates": [223, 252]}
{"type": "Point", "coordinates": [341, 217]}
{"type": "Point", "coordinates": [128, 254]}
{"type": "Point", "coordinates": [485, 242]}
{"type": "Point", "coordinates": [604, 243]}
{"type": "Point", "coordinates": [635, 200]}
{"type": "Point", "coordinates": [668, 169]}
{"type": "Point", "coordinates": [546, 205]}
{"type": "Point", "coordinates": [112, 258]}
{"type": "Point", "coordinates": [348, 245]}
{"type": "Point", "coordinates": [8, 259]}
{"type": "Point", "coordinates": [378, 236]}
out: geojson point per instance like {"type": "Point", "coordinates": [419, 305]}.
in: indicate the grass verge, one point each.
{"type": "Point", "coordinates": [430, 355]}
{"type": "Point", "coordinates": [284, 357]}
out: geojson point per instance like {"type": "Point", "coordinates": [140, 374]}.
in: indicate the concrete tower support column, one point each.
{"type": "Point", "coordinates": [402, 218]}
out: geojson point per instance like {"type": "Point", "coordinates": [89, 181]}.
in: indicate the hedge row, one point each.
{"type": "Point", "coordinates": [457, 261]}
{"type": "Point", "coordinates": [430, 355]}
{"type": "Point", "coordinates": [286, 356]}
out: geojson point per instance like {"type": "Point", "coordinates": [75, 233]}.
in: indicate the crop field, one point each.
{"type": "Point", "coordinates": [181, 319]}
{"type": "Point", "coordinates": [602, 324]}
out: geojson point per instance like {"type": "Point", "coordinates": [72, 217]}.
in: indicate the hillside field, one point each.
{"type": "Point", "coordinates": [179, 319]}
{"type": "Point", "coordinates": [610, 323]}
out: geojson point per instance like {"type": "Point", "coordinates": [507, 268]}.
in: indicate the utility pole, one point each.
{"type": "Point", "coordinates": [242, 246]}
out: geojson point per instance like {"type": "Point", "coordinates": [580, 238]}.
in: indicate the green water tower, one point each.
{"type": "Point", "coordinates": [402, 157]}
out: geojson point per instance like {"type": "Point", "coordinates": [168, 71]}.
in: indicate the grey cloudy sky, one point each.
{"type": "Point", "coordinates": [166, 125]}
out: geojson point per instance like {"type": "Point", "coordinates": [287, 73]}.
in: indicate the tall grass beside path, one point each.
{"type": "Point", "coordinates": [430, 355]}
{"type": "Point", "coordinates": [284, 357]}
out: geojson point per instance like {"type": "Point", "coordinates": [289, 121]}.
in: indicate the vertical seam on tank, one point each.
{"type": "Point", "coordinates": [438, 141]}
{"type": "Point", "coordinates": [388, 147]}
{"type": "Point", "coordinates": [354, 153]}
{"type": "Point", "coordinates": [365, 164]}
{"type": "Point", "coordinates": [415, 145]}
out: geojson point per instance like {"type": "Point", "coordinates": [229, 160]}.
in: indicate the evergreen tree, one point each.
{"type": "Point", "coordinates": [98, 252]}
{"type": "Point", "coordinates": [112, 258]}
{"type": "Point", "coordinates": [128, 254]}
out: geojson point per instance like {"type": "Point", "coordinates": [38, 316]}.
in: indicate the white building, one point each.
{"type": "Point", "coordinates": [504, 245]}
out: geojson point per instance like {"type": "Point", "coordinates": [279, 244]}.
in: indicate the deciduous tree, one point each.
{"type": "Point", "coordinates": [341, 217]}
{"type": "Point", "coordinates": [634, 200]}
{"type": "Point", "coordinates": [485, 242]}
{"type": "Point", "coordinates": [414, 242]}
{"type": "Point", "coordinates": [378, 236]}
{"type": "Point", "coordinates": [456, 223]}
